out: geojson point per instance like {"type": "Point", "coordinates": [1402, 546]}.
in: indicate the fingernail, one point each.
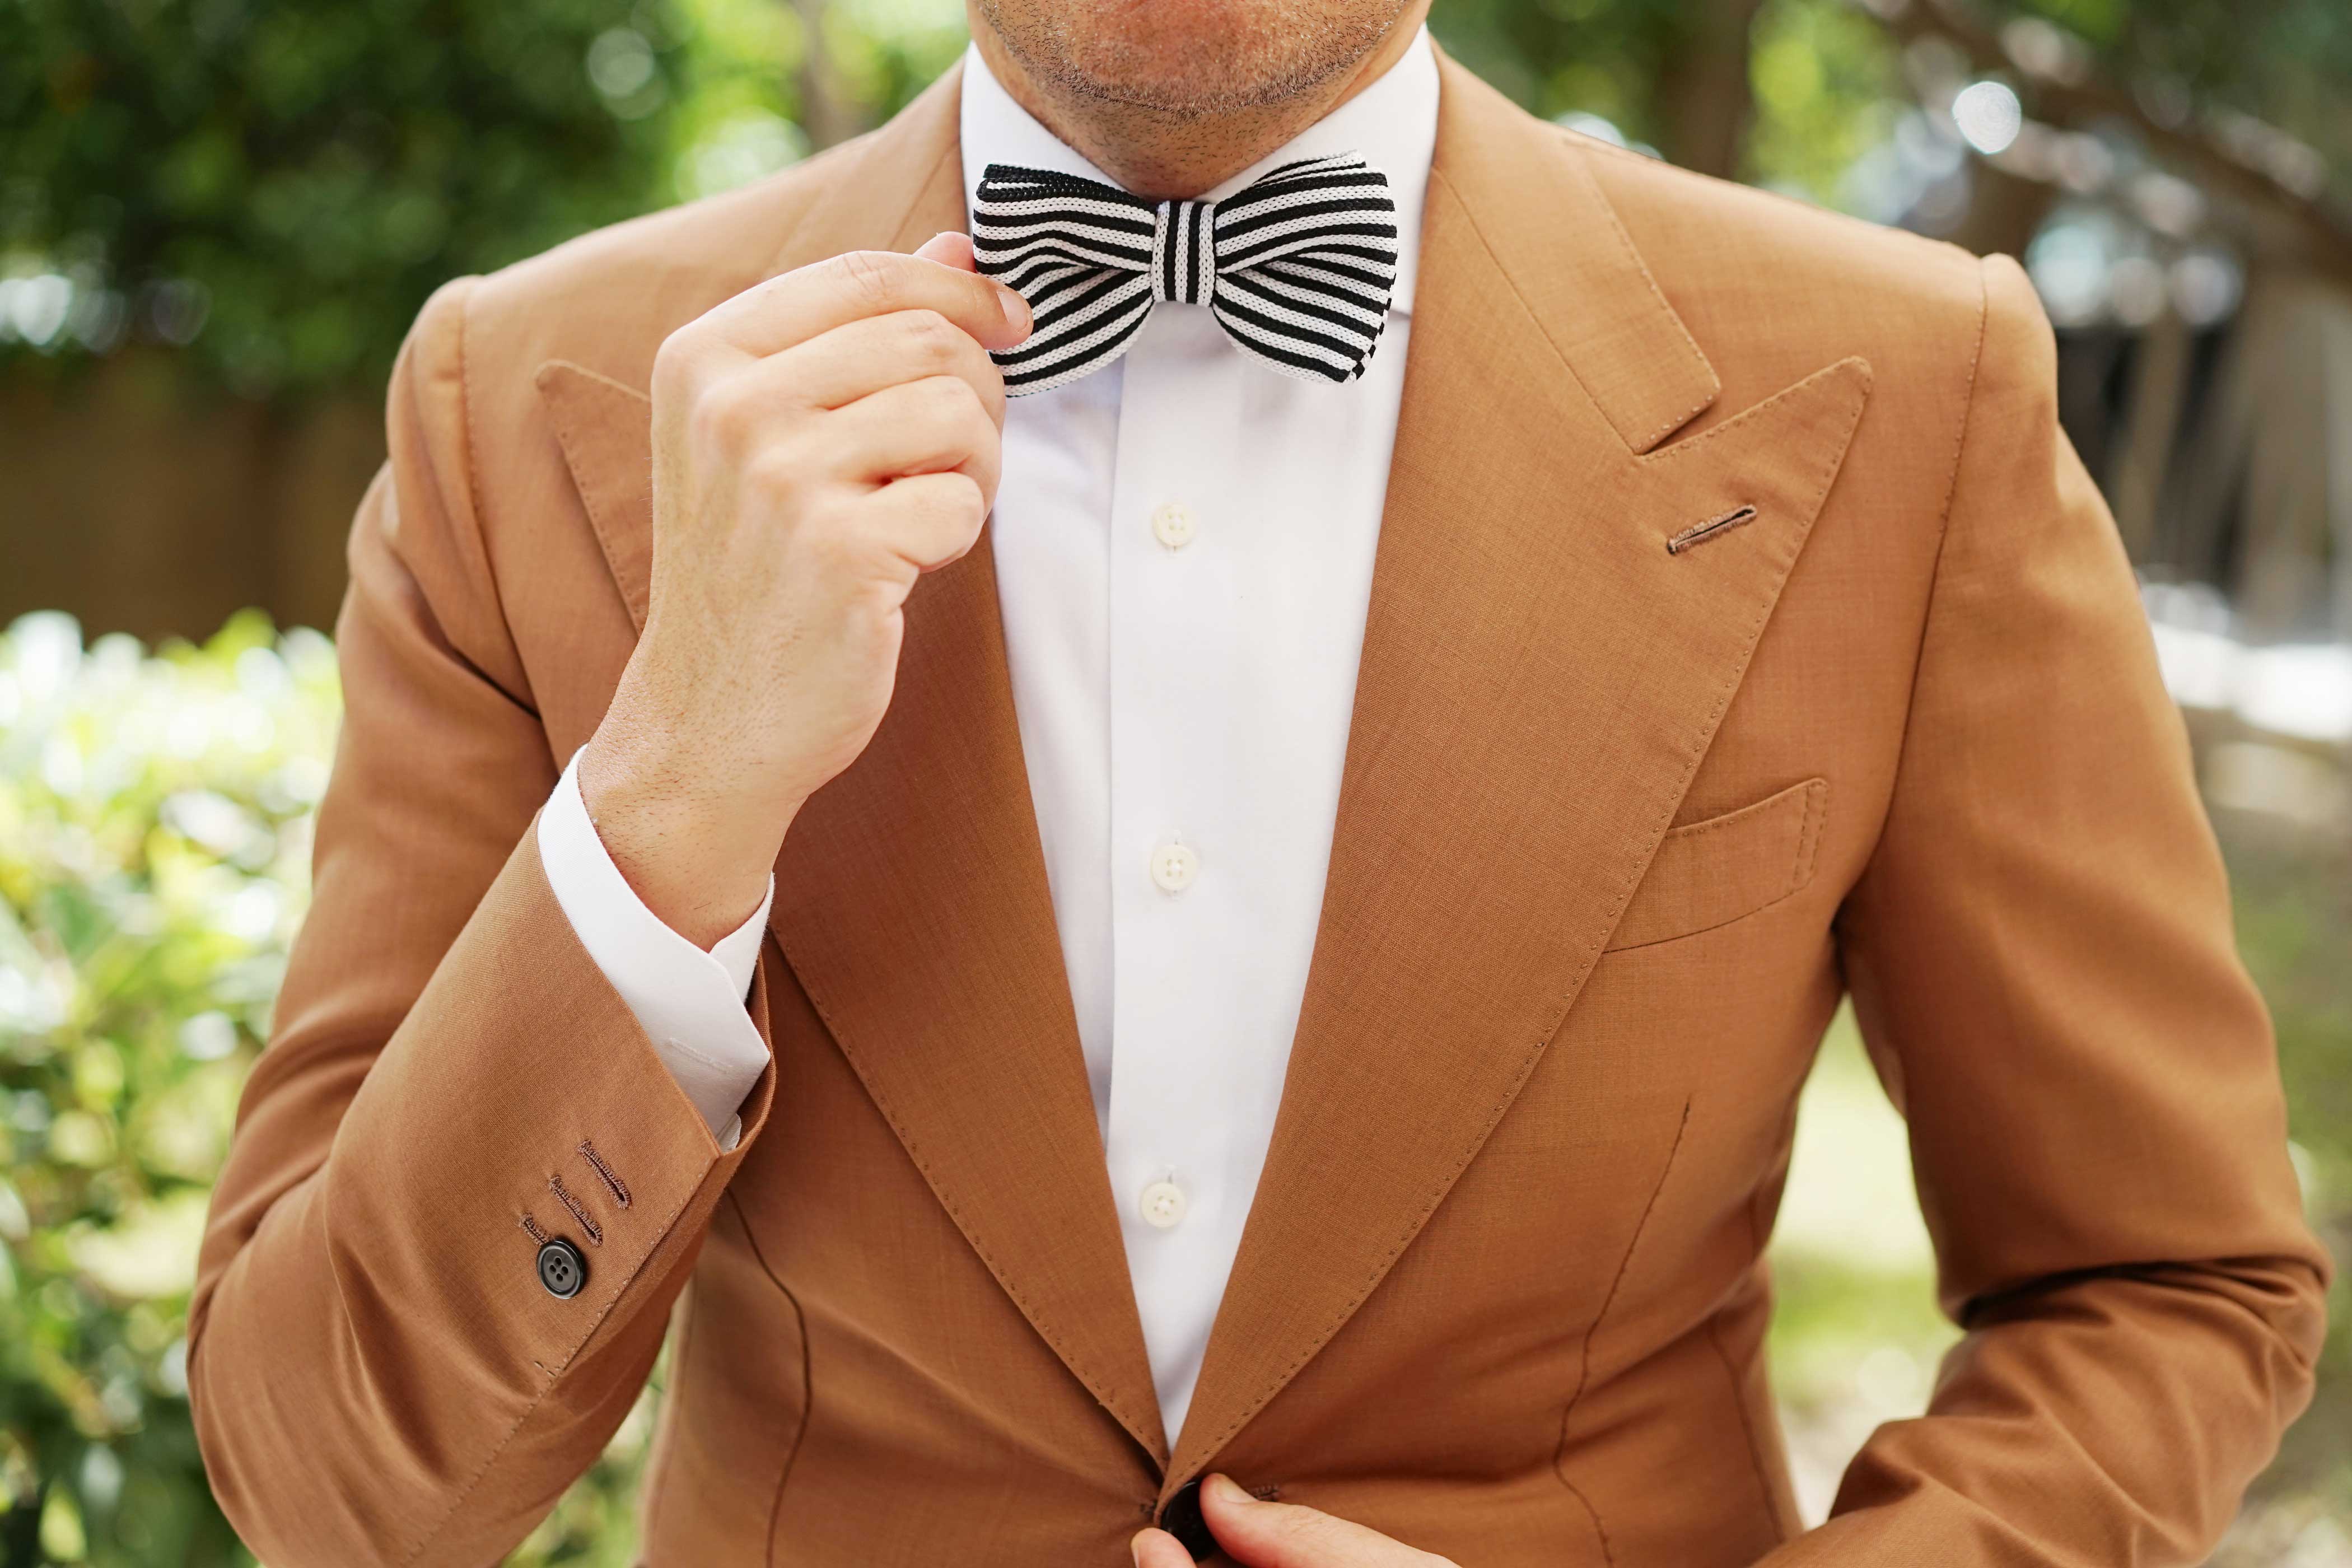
{"type": "Point", "coordinates": [1135, 1548]}
{"type": "Point", "coordinates": [1227, 1487]}
{"type": "Point", "coordinates": [1017, 309]}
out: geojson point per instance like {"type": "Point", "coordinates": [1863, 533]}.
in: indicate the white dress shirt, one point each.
{"type": "Point", "coordinates": [1183, 549]}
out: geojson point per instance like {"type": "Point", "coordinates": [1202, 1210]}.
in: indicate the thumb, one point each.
{"type": "Point", "coordinates": [1157, 1549]}
{"type": "Point", "coordinates": [1288, 1535]}
{"type": "Point", "coordinates": [949, 249]}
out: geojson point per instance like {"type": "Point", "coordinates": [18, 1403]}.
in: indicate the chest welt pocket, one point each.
{"type": "Point", "coordinates": [1710, 873]}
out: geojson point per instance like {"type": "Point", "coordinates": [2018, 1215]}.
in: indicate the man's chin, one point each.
{"type": "Point", "coordinates": [1190, 59]}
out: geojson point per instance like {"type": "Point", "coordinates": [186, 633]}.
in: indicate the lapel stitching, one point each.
{"type": "Point", "coordinates": [579, 400]}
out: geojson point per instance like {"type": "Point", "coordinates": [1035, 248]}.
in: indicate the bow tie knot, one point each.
{"type": "Point", "coordinates": [1184, 253]}
{"type": "Point", "coordinates": [1297, 265]}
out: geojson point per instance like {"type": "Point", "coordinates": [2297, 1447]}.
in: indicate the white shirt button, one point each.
{"type": "Point", "coordinates": [1162, 1205]}
{"type": "Point", "coordinates": [1173, 525]}
{"type": "Point", "coordinates": [1172, 866]}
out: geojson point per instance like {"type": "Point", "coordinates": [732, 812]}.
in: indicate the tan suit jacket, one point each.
{"type": "Point", "coordinates": [1619, 824]}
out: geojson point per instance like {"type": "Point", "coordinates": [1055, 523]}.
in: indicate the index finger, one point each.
{"type": "Point", "coordinates": [796, 305]}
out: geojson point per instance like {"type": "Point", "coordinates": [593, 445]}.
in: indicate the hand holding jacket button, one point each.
{"type": "Point", "coordinates": [1256, 1529]}
{"type": "Point", "coordinates": [1183, 1518]}
{"type": "Point", "coordinates": [561, 1269]}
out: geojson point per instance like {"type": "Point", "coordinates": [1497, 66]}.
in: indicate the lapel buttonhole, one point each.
{"type": "Point", "coordinates": [1699, 532]}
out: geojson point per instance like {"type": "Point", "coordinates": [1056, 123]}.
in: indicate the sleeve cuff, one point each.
{"type": "Point", "coordinates": [690, 1002]}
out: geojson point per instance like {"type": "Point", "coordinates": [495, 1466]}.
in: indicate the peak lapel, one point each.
{"type": "Point", "coordinates": [911, 898]}
{"type": "Point", "coordinates": [1539, 681]}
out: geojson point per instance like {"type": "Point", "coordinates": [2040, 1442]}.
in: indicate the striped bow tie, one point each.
{"type": "Point", "coordinates": [1297, 266]}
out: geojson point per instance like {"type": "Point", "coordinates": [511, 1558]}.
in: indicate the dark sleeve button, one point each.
{"type": "Point", "coordinates": [1182, 1519]}
{"type": "Point", "coordinates": [561, 1269]}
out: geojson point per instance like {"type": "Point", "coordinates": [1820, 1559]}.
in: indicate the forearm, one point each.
{"type": "Point", "coordinates": [2022, 1456]}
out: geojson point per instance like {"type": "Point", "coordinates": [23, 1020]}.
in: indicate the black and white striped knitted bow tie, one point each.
{"type": "Point", "coordinates": [1296, 265]}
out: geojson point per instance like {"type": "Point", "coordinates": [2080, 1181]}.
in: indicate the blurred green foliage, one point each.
{"type": "Point", "coordinates": [278, 185]}
{"type": "Point", "coordinates": [2295, 928]}
{"type": "Point", "coordinates": [154, 822]}
{"type": "Point", "coordinates": [295, 178]}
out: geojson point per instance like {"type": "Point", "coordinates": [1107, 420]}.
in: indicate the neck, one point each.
{"type": "Point", "coordinates": [1170, 156]}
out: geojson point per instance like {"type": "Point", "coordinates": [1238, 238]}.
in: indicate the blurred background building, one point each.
{"type": "Point", "coordinates": [218, 217]}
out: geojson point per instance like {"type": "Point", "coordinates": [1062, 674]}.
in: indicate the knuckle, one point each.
{"type": "Point", "coordinates": [931, 335]}
{"type": "Point", "coordinates": [962, 498]}
{"type": "Point", "coordinates": [985, 430]}
{"type": "Point", "coordinates": [772, 471]}
{"type": "Point", "coordinates": [961, 398]}
{"type": "Point", "coordinates": [867, 275]}
{"type": "Point", "coordinates": [677, 359]}
{"type": "Point", "coordinates": [981, 432]}
{"type": "Point", "coordinates": [723, 414]}
{"type": "Point", "coordinates": [930, 328]}
{"type": "Point", "coordinates": [821, 537]}
{"type": "Point", "coordinates": [839, 546]}
{"type": "Point", "coordinates": [941, 399]}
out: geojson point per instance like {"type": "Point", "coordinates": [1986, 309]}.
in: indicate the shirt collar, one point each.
{"type": "Point", "coordinates": [1392, 123]}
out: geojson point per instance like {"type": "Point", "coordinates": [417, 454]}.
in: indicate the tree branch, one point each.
{"type": "Point", "coordinates": [2322, 237]}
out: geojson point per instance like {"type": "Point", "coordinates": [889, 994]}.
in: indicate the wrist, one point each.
{"type": "Point", "coordinates": [696, 855]}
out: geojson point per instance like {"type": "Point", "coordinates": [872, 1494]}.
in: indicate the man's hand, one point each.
{"type": "Point", "coordinates": [1279, 1535]}
{"type": "Point", "coordinates": [819, 441]}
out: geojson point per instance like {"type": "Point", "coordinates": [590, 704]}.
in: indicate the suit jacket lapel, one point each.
{"type": "Point", "coordinates": [1539, 681]}
{"type": "Point", "coordinates": [911, 899]}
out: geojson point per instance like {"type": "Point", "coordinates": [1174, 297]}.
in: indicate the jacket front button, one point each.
{"type": "Point", "coordinates": [561, 1269]}
{"type": "Point", "coordinates": [1182, 1519]}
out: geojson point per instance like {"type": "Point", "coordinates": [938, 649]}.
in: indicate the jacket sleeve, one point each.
{"type": "Point", "coordinates": [2041, 958]}
{"type": "Point", "coordinates": [376, 1372]}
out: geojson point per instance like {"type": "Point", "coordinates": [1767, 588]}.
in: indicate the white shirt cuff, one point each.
{"type": "Point", "coordinates": [690, 1002]}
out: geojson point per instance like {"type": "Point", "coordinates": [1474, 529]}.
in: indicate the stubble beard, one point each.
{"type": "Point", "coordinates": [1260, 62]}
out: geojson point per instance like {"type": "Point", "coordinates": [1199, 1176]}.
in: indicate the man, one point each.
{"type": "Point", "coordinates": [1285, 959]}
